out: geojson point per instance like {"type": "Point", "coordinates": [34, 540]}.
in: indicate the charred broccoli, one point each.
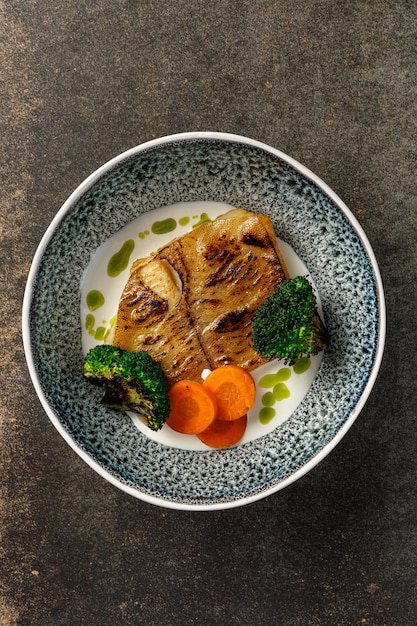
{"type": "Point", "coordinates": [287, 325]}
{"type": "Point", "coordinates": [132, 381]}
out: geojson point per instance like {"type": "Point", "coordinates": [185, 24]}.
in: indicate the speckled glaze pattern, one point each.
{"type": "Point", "coordinates": [304, 216]}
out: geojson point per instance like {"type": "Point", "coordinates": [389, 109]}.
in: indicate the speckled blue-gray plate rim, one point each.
{"type": "Point", "coordinates": [307, 214]}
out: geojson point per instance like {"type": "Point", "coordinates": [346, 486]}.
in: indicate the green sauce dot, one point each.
{"type": "Point", "coordinates": [119, 261]}
{"type": "Point", "coordinates": [268, 399]}
{"type": "Point", "coordinates": [100, 333]}
{"type": "Point", "coordinates": [203, 218]}
{"type": "Point", "coordinates": [266, 415]}
{"type": "Point", "coordinates": [267, 381]}
{"type": "Point", "coordinates": [283, 374]}
{"type": "Point", "coordinates": [165, 226]}
{"type": "Point", "coordinates": [281, 392]}
{"type": "Point", "coordinates": [302, 365]}
{"type": "Point", "coordinates": [270, 380]}
{"type": "Point", "coordinates": [184, 221]}
{"type": "Point", "coordinates": [89, 322]}
{"type": "Point", "coordinates": [94, 299]}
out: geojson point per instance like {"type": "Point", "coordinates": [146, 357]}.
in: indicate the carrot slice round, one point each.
{"type": "Point", "coordinates": [223, 434]}
{"type": "Point", "coordinates": [234, 390]}
{"type": "Point", "coordinates": [193, 408]}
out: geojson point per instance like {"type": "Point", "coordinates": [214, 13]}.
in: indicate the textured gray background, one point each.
{"type": "Point", "coordinates": [333, 84]}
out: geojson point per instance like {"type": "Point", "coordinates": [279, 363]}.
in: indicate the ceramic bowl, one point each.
{"type": "Point", "coordinates": [176, 177]}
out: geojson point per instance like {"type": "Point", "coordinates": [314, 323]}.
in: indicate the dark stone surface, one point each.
{"type": "Point", "coordinates": [333, 84]}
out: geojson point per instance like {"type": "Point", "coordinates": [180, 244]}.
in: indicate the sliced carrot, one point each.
{"type": "Point", "coordinates": [234, 390]}
{"type": "Point", "coordinates": [193, 408]}
{"type": "Point", "coordinates": [223, 434]}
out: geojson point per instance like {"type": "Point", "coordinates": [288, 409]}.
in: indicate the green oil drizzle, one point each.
{"type": "Point", "coordinates": [203, 218]}
{"type": "Point", "coordinates": [301, 365]}
{"type": "Point", "coordinates": [169, 224]}
{"type": "Point", "coordinates": [89, 323]}
{"type": "Point", "coordinates": [283, 374]}
{"type": "Point", "coordinates": [281, 392]}
{"type": "Point", "coordinates": [164, 226]}
{"type": "Point", "coordinates": [268, 399]}
{"type": "Point", "coordinates": [267, 381]}
{"type": "Point", "coordinates": [94, 299]}
{"type": "Point", "coordinates": [120, 260]}
{"type": "Point", "coordinates": [100, 333]}
{"type": "Point", "coordinates": [270, 380]}
{"type": "Point", "coordinates": [266, 414]}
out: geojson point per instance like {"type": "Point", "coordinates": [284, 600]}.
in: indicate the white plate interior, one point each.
{"type": "Point", "coordinates": [144, 236]}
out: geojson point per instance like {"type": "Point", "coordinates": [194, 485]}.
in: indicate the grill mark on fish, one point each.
{"type": "Point", "coordinates": [232, 321]}
{"type": "Point", "coordinates": [227, 272]}
{"type": "Point", "coordinates": [153, 306]}
{"type": "Point", "coordinates": [151, 339]}
{"type": "Point", "coordinates": [259, 242]}
{"type": "Point", "coordinates": [143, 303]}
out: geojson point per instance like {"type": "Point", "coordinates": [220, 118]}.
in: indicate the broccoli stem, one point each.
{"type": "Point", "coordinates": [320, 336]}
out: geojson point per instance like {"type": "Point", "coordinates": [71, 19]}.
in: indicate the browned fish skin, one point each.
{"type": "Point", "coordinates": [198, 314]}
{"type": "Point", "coordinates": [232, 266]}
{"type": "Point", "coordinates": [145, 321]}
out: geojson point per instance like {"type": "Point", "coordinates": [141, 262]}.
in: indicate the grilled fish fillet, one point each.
{"type": "Point", "coordinates": [190, 304]}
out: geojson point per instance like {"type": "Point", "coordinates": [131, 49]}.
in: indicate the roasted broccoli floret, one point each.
{"type": "Point", "coordinates": [287, 325]}
{"type": "Point", "coordinates": [132, 381]}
